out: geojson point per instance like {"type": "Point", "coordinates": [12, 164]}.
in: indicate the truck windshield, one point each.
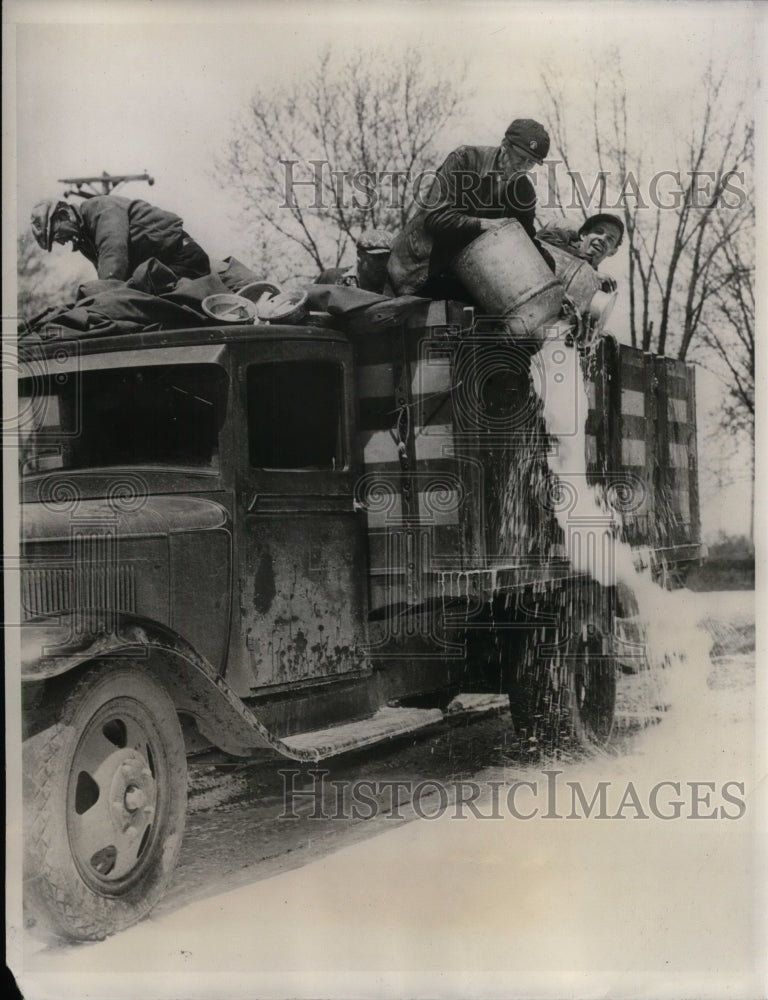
{"type": "Point", "coordinates": [166, 415]}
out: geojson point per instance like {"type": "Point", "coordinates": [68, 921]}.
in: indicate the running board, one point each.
{"type": "Point", "coordinates": [388, 723]}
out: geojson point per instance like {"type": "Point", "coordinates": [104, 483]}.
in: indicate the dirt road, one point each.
{"type": "Point", "coordinates": [396, 883]}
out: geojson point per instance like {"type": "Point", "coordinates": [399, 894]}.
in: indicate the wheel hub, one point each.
{"type": "Point", "coordinates": [134, 798]}
{"type": "Point", "coordinates": [132, 793]}
{"type": "Point", "coordinates": [108, 830]}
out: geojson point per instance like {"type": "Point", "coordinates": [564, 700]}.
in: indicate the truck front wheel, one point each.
{"type": "Point", "coordinates": [105, 804]}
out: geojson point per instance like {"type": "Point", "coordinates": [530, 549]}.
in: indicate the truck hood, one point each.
{"type": "Point", "coordinates": [127, 517]}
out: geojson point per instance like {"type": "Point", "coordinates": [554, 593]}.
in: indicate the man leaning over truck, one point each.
{"type": "Point", "coordinates": [477, 188]}
{"type": "Point", "coordinates": [117, 234]}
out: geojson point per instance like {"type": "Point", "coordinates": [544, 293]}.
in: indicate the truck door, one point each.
{"type": "Point", "coordinates": [303, 560]}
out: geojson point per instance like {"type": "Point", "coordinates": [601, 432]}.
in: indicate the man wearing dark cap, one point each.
{"type": "Point", "coordinates": [117, 234]}
{"type": "Point", "coordinates": [599, 237]}
{"type": "Point", "coordinates": [477, 188]}
{"type": "Point", "coordinates": [369, 272]}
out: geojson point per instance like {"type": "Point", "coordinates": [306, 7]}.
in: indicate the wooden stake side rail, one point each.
{"type": "Point", "coordinates": [454, 455]}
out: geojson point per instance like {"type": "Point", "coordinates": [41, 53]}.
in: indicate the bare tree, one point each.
{"type": "Point", "coordinates": [728, 342]}
{"type": "Point", "coordinates": [680, 217]}
{"type": "Point", "coordinates": [40, 284]}
{"type": "Point", "coordinates": [332, 153]}
{"type": "Point", "coordinates": [729, 333]}
{"type": "Point", "coordinates": [689, 220]}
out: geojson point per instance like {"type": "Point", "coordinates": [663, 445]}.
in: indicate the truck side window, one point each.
{"type": "Point", "coordinates": [295, 415]}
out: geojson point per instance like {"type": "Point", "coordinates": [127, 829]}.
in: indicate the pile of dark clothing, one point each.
{"type": "Point", "coordinates": [154, 298]}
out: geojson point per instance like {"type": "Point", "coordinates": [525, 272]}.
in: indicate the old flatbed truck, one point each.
{"type": "Point", "coordinates": [260, 540]}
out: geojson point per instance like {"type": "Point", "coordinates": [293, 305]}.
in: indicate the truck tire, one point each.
{"type": "Point", "coordinates": [563, 693]}
{"type": "Point", "coordinates": [592, 686]}
{"type": "Point", "coordinates": [105, 804]}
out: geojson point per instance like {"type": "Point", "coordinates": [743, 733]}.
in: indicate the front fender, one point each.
{"type": "Point", "coordinates": [50, 649]}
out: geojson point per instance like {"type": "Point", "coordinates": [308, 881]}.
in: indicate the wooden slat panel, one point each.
{"type": "Point", "coordinates": [693, 465]}
{"type": "Point", "coordinates": [632, 403]}
{"type": "Point", "coordinates": [633, 427]}
{"type": "Point", "coordinates": [433, 441]}
{"type": "Point", "coordinates": [378, 447]}
{"type": "Point", "coordinates": [430, 375]}
{"type": "Point", "coordinates": [633, 453]}
{"type": "Point", "coordinates": [376, 413]}
{"type": "Point", "coordinates": [375, 380]}
{"type": "Point", "coordinates": [678, 455]}
{"type": "Point", "coordinates": [663, 525]}
{"type": "Point", "coordinates": [633, 377]}
{"type": "Point", "coordinates": [677, 410]}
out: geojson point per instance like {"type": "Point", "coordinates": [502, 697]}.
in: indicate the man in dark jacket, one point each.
{"type": "Point", "coordinates": [369, 272]}
{"type": "Point", "coordinates": [117, 234]}
{"type": "Point", "coordinates": [477, 188]}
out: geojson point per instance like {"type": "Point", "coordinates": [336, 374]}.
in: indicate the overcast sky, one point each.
{"type": "Point", "coordinates": [156, 84]}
